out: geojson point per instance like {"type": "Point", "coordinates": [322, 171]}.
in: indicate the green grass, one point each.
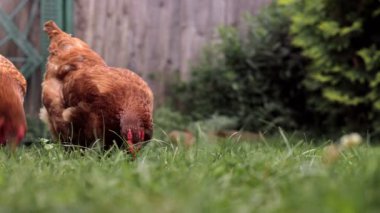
{"type": "Point", "coordinates": [225, 177]}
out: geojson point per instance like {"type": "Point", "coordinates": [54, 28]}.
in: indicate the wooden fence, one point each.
{"type": "Point", "coordinates": [156, 38]}
{"type": "Point", "coordinates": [152, 37]}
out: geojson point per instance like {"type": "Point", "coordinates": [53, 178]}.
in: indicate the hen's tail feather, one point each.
{"type": "Point", "coordinates": [52, 29]}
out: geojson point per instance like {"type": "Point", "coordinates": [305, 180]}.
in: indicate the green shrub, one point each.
{"type": "Point", "coordinates": [255, 76]}
{"type": "Point", "coordinates": [302, 64]}
{"type": "Point", "coordinates": [342, 40]}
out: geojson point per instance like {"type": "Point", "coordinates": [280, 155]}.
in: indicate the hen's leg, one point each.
{"type": "Point", "coordinates": [52, 100]}
{"type": "Point", "coordinates": [2, 136]}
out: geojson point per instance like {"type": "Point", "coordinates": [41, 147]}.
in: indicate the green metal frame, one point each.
{"type": "Point", "coordinates": [32, 58]}
{"type": "Point", "coordinates": [60, 11]}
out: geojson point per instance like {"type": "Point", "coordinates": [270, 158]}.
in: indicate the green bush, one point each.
{"type": "Point", "coordinates": [342, 40]}
{"type": "Point", "coordinates": [254, 76]}
{"type": "Point", "coordinates": [301, 64]}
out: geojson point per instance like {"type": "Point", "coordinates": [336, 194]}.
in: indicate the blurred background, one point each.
{"type": "Point", "coordinates": [256, 65]}
{"type": "Point", "coordinates": [156, 39]}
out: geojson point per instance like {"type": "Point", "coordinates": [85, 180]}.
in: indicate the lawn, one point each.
{"type": "Point", "coordinates": [274, 175]}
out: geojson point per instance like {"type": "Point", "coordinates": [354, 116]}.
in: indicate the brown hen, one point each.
{"type": "Point", "coordinates": [85, 100]}
{"type": "Point", "coordinates": [12, 92]}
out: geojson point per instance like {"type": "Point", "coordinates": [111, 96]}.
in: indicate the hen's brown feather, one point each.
{"type": "Point", "coordinates": [10, 70]}
{"type": "Point", "coordinates": [81, 93]}
{"type": "Point", "coordinates": [12, 92]}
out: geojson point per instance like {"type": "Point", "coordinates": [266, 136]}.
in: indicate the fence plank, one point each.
{"type": "Point", "coordinates": [154, 38]}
